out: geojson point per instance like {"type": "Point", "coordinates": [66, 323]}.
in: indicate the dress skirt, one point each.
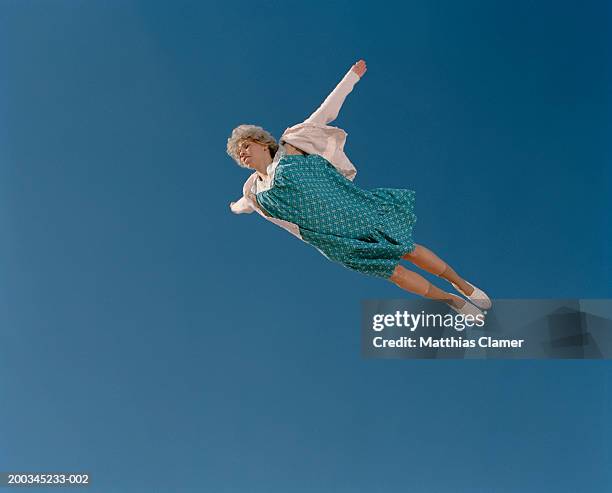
{"type": "Point", "coordinates": [364, 230]}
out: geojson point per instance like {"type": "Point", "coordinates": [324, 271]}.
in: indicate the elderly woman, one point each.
{"type": "Point", "coordinates": [304, 184]}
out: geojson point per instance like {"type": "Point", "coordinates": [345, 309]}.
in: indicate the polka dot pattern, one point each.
{"type": "Point", "coordinates": [365, 230]}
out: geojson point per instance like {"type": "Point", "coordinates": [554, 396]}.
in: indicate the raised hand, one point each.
{"type": "Point", "coordinates": [360, 68]}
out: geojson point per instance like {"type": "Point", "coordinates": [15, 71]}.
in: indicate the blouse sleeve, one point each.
{"type": "Point", "coordinates": [245, 204]}
{"type": "Point", "coordinates": [241, 206]}
{"type": "Point", "coordinates": [328, 111]}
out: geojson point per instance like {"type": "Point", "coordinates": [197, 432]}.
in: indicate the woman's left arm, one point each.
{"type": "Point", "coordinates": [330, 108]}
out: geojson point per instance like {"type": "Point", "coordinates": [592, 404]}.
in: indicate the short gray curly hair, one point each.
{"type": "Point", "coordinates": [253, 133]}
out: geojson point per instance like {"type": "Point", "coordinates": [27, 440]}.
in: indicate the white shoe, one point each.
{"type": "Point", "coordinates": [478, 297]}
{"type": "Point", "coordinates": [467, 309]}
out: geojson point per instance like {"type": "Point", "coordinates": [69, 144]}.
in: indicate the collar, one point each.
{"type": "Point", "coordinates": [260, 184]}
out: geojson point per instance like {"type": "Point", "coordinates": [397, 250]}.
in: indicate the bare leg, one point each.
{"type": "Point", "coordinates": [417, 284]}
{"type": "Point", "coordinates": [430, 262]}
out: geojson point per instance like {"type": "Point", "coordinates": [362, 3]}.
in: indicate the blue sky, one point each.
{"type": "Point", "coordinates": [158, 341]}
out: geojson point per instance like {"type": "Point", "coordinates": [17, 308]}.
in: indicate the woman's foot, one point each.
{"type": "Point", "coordinates": [464, 307]}
{"type": "Point", "coordinates": [475, 295]}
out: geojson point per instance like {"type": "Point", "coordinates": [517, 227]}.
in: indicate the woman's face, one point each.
{"type": "Point", "coordinates": [254, 155]}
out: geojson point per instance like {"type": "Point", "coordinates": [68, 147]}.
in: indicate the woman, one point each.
{"type": "Point", "coordinates": [304, 184]}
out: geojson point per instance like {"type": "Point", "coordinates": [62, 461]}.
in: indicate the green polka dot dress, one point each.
{"type": "Point", "coordinates": [365, 230]}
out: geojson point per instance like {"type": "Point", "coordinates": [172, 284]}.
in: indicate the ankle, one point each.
{"type": "Point", "coordinates": [465, 287]}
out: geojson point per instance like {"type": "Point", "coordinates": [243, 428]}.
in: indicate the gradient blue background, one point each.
{"type": "Point", "coordinates": [160, 342]}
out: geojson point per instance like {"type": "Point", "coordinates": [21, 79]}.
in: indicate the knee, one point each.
{"type": "Point", "coordinates": [397, 274]}
{"type": "Point", "coordinates": [411, 281]}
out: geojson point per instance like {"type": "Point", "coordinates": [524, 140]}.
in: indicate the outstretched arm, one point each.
{"type": "Point", "coordinates": [330, 108]}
